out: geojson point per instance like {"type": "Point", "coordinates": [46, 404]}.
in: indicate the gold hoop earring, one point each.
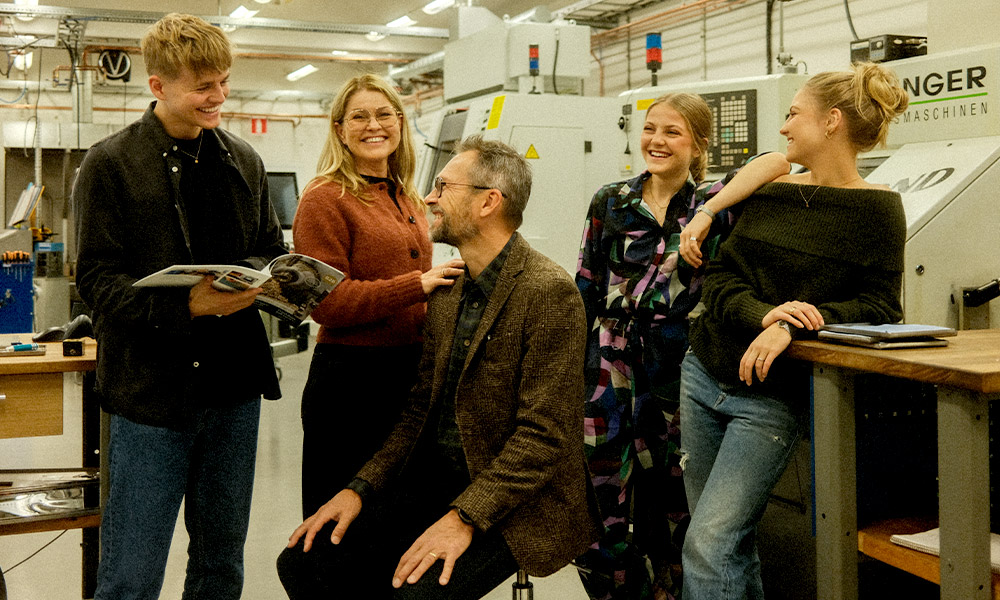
{"type": "Point", "coordinates": [827, 134]}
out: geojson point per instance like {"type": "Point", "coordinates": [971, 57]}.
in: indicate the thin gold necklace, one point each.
{"type": "Point", "coordinates": [201, 138]}
{"type": "Point", "coordinates": [803, 196]}
{"type": "Point", "coordinates": [808, 200]}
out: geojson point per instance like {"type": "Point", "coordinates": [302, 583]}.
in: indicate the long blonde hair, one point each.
{"type": "Point", "coordinates": [336, 163]}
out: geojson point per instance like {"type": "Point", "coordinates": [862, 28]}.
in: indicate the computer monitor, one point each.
{"type": "Point", "coordinates": [284, 192]}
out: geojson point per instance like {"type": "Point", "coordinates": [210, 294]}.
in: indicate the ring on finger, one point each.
{"type": "Point", "coordinates": [759, 359]}
{"type": "Point", "coordinates": [791, 310]}
{"type": "Point", "coordinates": [432, 555]}
{"type": "Point", "coordinates": [694, 238]}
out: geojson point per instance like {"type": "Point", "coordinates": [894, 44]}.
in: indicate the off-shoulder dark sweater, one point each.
{"type": "Point", "coordinates": [841, 251]}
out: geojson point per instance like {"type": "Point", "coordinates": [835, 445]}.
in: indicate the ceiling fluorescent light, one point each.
{"type": "Point", "coordinates": [435, 6]}
{"type": "Point", "coordinates": [243, 12]}
{"type": "Point", "coordinates": [262, 1]}
{"type": "Point", "coordinates": [298, 74]}
{"type": "Point", "coordinates": [339, 52]}
{"type": "Point", "coordinates": [403, 21]}
{"type": "Point", "coordinates": [374, 36]}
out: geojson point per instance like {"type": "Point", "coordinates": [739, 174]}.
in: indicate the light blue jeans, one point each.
{"type": "Point", "coordinates": [152, 469]}
{"type": "Point", "coordinates": [735, 447]}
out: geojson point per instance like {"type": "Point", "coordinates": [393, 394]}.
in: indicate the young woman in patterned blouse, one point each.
{"type": "Point", "coordinates": [638, 295]}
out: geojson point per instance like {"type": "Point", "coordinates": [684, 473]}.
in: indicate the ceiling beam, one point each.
{"type": "Point", "coordinates": [147, 17]}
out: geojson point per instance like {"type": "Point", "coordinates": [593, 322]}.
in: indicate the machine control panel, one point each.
{"type": "Point", "coordinates": [734, 128]}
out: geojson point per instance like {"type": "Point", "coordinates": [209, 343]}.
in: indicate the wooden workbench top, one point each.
{"type": "Point", "coordinates": [52, 361]}
{"type": "Point", "coordinates": [971, 360]}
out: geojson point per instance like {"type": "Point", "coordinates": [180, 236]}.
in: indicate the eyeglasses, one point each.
{"type": "Point", "coordinates": [359, 119]}
{"type": "Point", "coordinates": [440, 183]}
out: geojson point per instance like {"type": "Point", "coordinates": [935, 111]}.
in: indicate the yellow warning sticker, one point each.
{"type": "Point", "coordinates": [495, 113]}
{"type": "Point", "coordinates": [531, 153]}
{"type": "Point", "coordinates": [642, 105]}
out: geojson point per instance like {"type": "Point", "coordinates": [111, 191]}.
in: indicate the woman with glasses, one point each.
{"type": "Point", "coordinates": [362, 215]}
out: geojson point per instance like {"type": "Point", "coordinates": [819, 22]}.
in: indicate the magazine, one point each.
{"type": "Point", "coordinates": [293, 284]}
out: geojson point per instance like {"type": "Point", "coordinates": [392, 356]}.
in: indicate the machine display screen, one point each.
{"type": "Point", "coordinates": [284, 193]}
{"type": "Point", "coordinates": [734, 128]}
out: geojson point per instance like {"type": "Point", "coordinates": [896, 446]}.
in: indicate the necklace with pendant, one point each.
{"type": "Point", "coordinates": [197, 153]}
{"type": "Point", "coordinates": [809, 199]}
{"type": "Point", "coordinates": [803, 196]}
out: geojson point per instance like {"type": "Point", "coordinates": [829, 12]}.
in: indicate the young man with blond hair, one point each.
{"type": "Point", "coordinates": [181, 371]}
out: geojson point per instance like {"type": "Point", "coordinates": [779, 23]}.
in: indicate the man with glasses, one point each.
{"type": "Point", "coordinates": [485, 471]}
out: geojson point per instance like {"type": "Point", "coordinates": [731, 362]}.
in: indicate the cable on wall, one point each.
{"type": "Point", "coordinates": [850, 22]}
{"type": "Point", "coordinates": [768, 33]}
{"type": "Point", "coordinates": [32, 555]}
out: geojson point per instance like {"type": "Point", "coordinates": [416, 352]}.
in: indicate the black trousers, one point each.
{"type": "Point", "coordinates": [351, 402]}
{"type": "Point", "coordinates": [362, 565]}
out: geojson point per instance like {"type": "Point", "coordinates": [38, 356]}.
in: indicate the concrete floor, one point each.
{"type": "Point", "coordinates": [54, 574]}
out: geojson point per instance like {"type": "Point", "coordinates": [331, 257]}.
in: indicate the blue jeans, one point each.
{"type": "Point", "coordinates": [735, 447]}
{"type": "Point", "coordinates": [211, 466]}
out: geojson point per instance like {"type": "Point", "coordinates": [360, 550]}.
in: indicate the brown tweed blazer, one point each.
{"type": "Point", "coordinates": [519, 408]}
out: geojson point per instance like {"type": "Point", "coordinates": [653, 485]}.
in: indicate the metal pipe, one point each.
{"type": "Point", "coordinates": [55, 77]}
{"type": "Point", "coordinates": [600, 70]}
{"type": "Point", "coordinates": [768, 34]}
{"type": "Point", "coordinates": [283, 117]}
{"type": "Point", "coordinates": [781, 27]}
{"type": "Point", "coordinates": [669, 16]}
{"type": "Point", "coordinates": [704, 44]}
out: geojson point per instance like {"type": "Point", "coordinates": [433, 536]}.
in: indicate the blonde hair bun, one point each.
{"type": "Point", "coordinates": [869, 96]}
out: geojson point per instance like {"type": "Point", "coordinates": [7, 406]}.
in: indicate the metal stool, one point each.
{"type": "Point", "coordinates": [523, 587]}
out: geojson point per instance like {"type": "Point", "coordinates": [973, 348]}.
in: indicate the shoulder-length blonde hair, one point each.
{"type": "Point", "coordinates": [336, 163]}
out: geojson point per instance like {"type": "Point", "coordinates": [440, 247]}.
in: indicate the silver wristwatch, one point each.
{"type": "Point", "coordinates": [786, 326]}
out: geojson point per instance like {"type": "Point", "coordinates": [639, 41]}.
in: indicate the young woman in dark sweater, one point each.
{"type": "Point", "coordinates": [822, 246]}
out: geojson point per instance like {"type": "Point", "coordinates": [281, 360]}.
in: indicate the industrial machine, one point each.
{"type": "Point", "coordinates": [566, 139]}
{"type": "Point", "coordinates": [947, 169]}
{"type": "Point", "coordinates": [520, 82]}
{"type": "Point", "coordinates": [502, 83]}
{"type": "Point", "coordinates": [747, 112]}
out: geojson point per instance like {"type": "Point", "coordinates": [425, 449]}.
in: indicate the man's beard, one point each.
{"type": "Point", "coordinates": [452, 231]}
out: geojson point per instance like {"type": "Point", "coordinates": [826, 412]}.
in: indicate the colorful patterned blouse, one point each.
{"type": "Point", "coordinates": [638, 292]}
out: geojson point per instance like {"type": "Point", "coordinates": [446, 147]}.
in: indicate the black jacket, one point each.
{"type": "Point", "coordinates": [156, 365]}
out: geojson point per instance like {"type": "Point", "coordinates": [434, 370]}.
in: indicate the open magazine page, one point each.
{"type": "Point", "coordinates": [293, 284]}
{"type": "Point", "coordinates": [227, 277]}
{"type": "Point", "coordinates": [297, 285]}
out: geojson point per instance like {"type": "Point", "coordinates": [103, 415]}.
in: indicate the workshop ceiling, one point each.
{"type": "Point", "coordinates": [287, 34]}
